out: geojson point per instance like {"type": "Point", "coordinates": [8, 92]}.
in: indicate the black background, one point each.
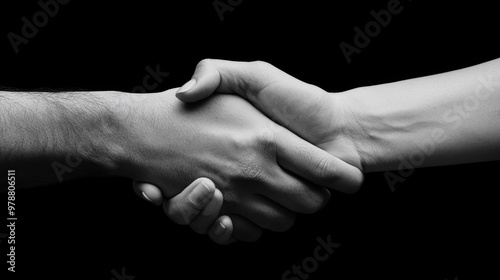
{"type": "Point", "coordinates": [441, 223]}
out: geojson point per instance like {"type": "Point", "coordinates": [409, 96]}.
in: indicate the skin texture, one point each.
{"type": "Point", "coordinates": [253, 184]}
{"type": "Point", "coordinates": [443, 119]}
{"type": "Point", "coordinates": [373, 127]}
{"type": "Point", "coordinates": [265, 172]}
{"type": "Point", "coordinates": [449, 118]}
{"type": "Point", "coordinates": [305, 109]}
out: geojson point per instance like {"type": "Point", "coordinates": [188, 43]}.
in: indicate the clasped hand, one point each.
{"type": "Point", "coordinates": [261, 147]}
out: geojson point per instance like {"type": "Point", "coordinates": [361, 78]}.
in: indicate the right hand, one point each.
{"type": "Point", "coordinates": [322, 118]}
{"type": "Point", "coordinates": [265, 172]}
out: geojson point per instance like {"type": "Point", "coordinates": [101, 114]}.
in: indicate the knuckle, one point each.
{"type": "Point", "coordinates": [266, 140]}
{"type": "Point", "coordinates": [250, 162]}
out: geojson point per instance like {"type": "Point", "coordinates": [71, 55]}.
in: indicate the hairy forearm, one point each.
{"type": "Point", "coordinates": [450, 118]}
{"type": "Point", "coordinates": [51, 137]}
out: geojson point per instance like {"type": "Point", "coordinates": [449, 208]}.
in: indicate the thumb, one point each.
{"type": "Point", "coordinates": [184, 207]}
{"type": "Point", "coordinates": [205, 81]}
{"type": "Point", "coordinates": [224, 76]}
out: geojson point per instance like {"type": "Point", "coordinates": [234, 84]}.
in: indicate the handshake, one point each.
{"type": "Point", "coordinates": [264, 146]}
{"type": "Point", "coordinates": [253, 145]}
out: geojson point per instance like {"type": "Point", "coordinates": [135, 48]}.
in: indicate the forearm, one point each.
{"type": "Point", "coordinates": [51, 137]}
{"type": "Point", "coordinates": [450, 118]}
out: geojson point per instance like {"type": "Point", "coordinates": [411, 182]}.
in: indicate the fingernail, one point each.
{"type": "Point", "coordinates": [200, 193]}
{"type": "Point", "coordinates": [187, 86]}
{"type": "Point", "coordinates": [219, 229]}
{"type": "Point", "coordinates": [152, 194]}
{"type": "Point", "coordinates": [146, 197]}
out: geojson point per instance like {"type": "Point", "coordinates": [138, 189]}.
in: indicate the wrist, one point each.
{"type": "Point", "coordinates": [383, 125]}
{"type": "Point", "coordinates": [145, 138]}
{"type": "Point", "coordinates": [356, 126]}
{"type": "Point", "coordinates": [110, 141]}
